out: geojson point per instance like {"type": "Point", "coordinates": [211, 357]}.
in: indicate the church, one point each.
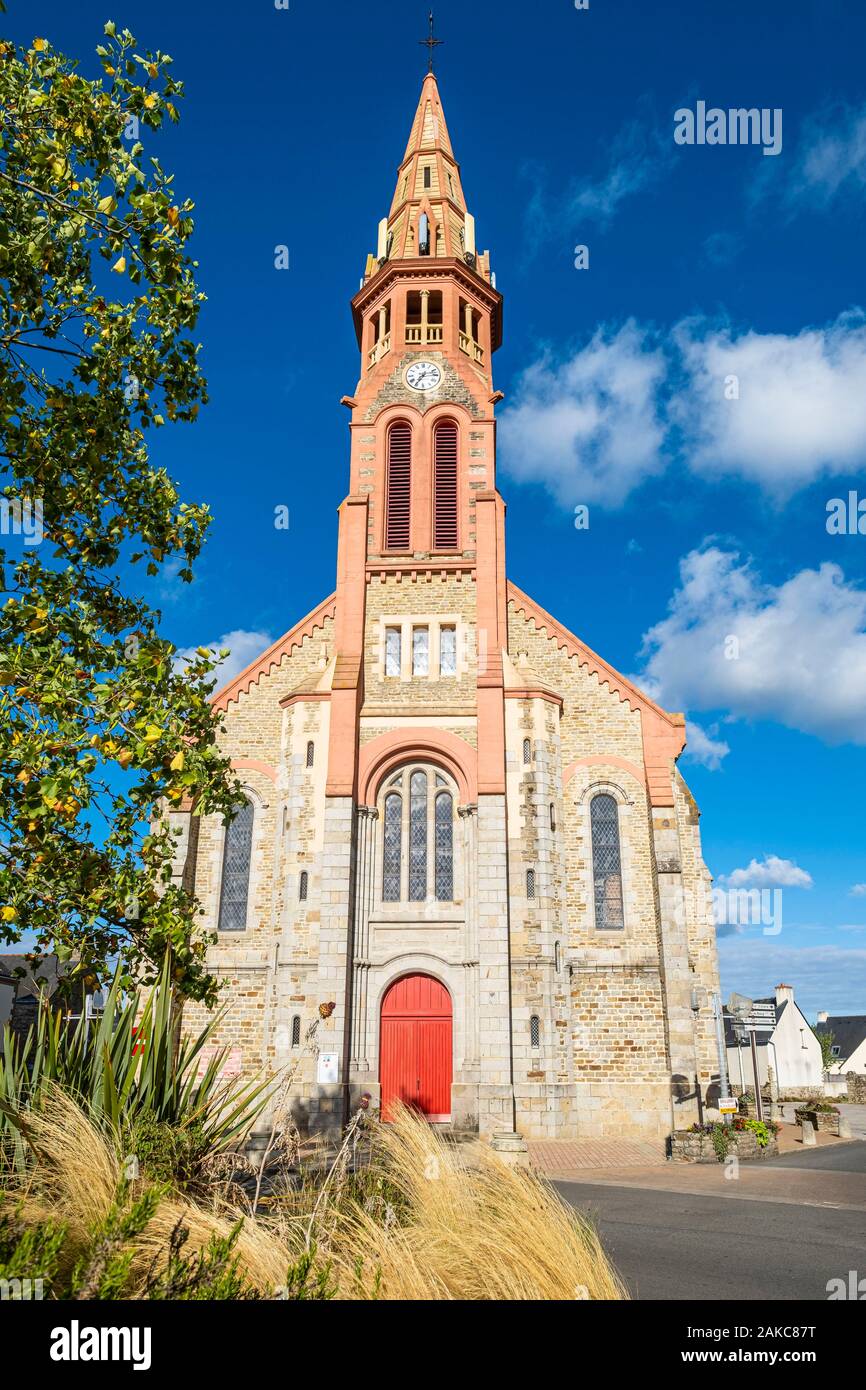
{"type": "Point", "coordinates": [461, 827]}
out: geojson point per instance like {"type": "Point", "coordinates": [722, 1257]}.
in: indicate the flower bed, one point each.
{"type": "Point", "coordinates": [713, 1143]}
{"type": "Point", "coordinates": [823, 1117]}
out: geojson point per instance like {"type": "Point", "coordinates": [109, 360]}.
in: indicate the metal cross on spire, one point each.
{"type": "Point", "coordinates": [431, 42]}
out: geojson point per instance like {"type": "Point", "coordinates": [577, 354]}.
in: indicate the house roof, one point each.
{"type": "Point", "coordinates": [848, 1031]}
{"type": "Point", "coordinates": [45, 978]}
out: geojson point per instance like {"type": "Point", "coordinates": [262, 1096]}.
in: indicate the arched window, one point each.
{"type": "Point", "coordinates": [418, 837]}
{"type": "Point", "coordinates": [417, 817]}
{"type": "Point", "coordinates": [606, 863]}
{"type": "Point", "coordinates": [392, 857]}
{"type": "Point", "coordinates": [534, 1031]}
{"type": "Point", "coordinates": [530, 883]}
{"type": "Point", "coordinates": [527, 751]}
{"type": "Point", "coordinates": [444, 840]}
{"type": "Point", "coordinates": [445, 486]}
{"type": "Point", "coordinates": [398, 487]}
{"type": "Point", "coordinates": [296, 1031]}
{"type": "Point", "coordinates": [237, 852]}
{"type": "Point", "coordinates": [311, 753]}
{"type": "Point", "coordinates": [557, 957]}
{"type": "Point", "coordinates": [303, 883]}
{"type": "Point", "coordinates": [552, 815]}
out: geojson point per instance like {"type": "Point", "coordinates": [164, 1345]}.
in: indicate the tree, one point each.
{"type": "Point", "coordinates": [827, 1059]}
{"type": "Point", "coordinates": [99, 731]}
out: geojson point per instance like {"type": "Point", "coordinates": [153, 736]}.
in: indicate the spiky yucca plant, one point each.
{"type": "Point", "coordinates": [125, 1065]}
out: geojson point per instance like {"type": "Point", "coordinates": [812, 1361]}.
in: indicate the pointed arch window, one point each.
{"type": "Point", "coordinates": [393, 851]}
{"type": "Point", "coordinates": [237, 854]}
{"type": "Point", "coordinates": [296, 1031]}
{"type": "Point", "coordinates": [444, 842]}
{"type": "Point", "coordinates": [606, 863]}
{"type": "Point", "coordinates": [418, 850]}
{"type": "Point", "coordinates": [311, 753]}
{"type": "Point", "coordinates": [398, 487]}
{"type": "Point", "coordinates": [445, 450]}
{"type": "Point", "coordinates": [418, 837]}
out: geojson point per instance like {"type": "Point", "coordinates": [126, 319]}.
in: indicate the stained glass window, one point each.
{"type": "Point", "coordinates": [444, 848]}
{"type": "Point", "coordinates": [530, 883]}
{"type": "Point", "coordinates": [606, 864]}
{"type": "Point", "coordinates": [296, 1031]}
{"type": "Point", "coordinates": [418, 837]}
{"type": "Point", "coordinates": [393, 850]}
{"type": "Point", "coordinates": [527, 751]}
{"type": "Point", "coordinates": [392, 651]}
{"type": "Point", "coordinates": [448, 651]}
{"type": "Point", "coordinates": [420, 651]}
{"type": "Point", "coordinates": [236, 869]}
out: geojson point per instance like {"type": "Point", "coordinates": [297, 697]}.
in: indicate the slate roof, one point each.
{"type": "Point", "coordinates": [848, 1031]}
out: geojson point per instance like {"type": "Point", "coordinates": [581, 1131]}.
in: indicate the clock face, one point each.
{"type": "Point", "coordinates": [423, 376]}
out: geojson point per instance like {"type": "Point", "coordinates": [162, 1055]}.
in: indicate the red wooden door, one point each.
{"type": "Point", "coordinates": [415, 1045]}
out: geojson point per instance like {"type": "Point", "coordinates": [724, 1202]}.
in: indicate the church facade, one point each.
{"type": "Point", "coordinates": [461, 826]}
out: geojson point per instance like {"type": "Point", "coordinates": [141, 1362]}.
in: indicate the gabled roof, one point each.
{"type": "Point", "coordinates": [664, 734]}
{"type": "Point", "coordinates": [628, 692]}
{"type": "Point", "coordinates": [274, 654]}
{"type": "Point", "coordinates": [849, 1031]}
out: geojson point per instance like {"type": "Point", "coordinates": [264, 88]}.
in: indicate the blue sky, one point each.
{"type": "Point", "coordinates": [707, 514]}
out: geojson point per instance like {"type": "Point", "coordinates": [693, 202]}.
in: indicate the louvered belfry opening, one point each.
{"type": "Point", "coordinates": [399, 486]}
{"type": "Point", "coordinates": [445, 486]}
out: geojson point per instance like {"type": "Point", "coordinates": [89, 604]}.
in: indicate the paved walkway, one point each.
{"type": "Point", "coordinates": [560, 1157]}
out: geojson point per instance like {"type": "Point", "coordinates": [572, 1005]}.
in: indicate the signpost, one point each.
{"type": "Point", "coordinates": [753, 1017]}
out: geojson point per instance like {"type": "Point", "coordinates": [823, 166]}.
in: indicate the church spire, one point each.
{"type": "Point", "coordinates": [428, 214]}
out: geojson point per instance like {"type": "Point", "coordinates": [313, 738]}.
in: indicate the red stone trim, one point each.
{"type": "Point", "coordinates": [381, 755]}
{"type": "Point", "coordinates": [299, 697]}
{"type": "Point", "coordinates": [274, 655]}
{"type": "Point", "coordinates": [255, 765]}
{"type": "Point", "coordinates": [600, 759]}
{"type": "Point", "coordinates": [534, 693]}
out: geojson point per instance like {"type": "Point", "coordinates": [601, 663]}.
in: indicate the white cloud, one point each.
{"type": "Point", "coordinates": [639, 155]}
{"type": "Point", "coordinates": [702, 748]}
{"type": "Point", "coordinates": [824, 977]}
{"type": "Point", "coordinates": [778, 410]}
{"type": "Point", "coordinates": [770, 872]}
{"type": "Point", "coordinates": [858, 890]}
{"type": "Point", "coordinates": [243, 647]}
{"type": "Point", "coordinates": [587, 427]}
{"type": "Point", "coordinates": [801, 405]}
{"type": "Point", "coordinates": [794, 653]}
{"type": "Point", "coordinates": [832, 160]}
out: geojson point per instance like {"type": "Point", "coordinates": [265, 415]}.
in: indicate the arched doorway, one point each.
{"type": "Point", "coordinates": [416, 1047]}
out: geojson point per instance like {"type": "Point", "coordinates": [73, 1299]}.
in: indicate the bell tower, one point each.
{"type": "Point", "coordinates": [419, 635]}
{"type": "Point", "coordinates": [423, 498]}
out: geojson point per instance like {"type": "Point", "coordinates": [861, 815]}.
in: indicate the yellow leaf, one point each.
{"type": "Point", "coordinates": [40, 45]}
{"type": "Point", "coordinates": [9, 914]}
{"type": "Point", "coordinates": [124, 758]}
{"type": "Point", "coordinates": [119, 266]}
{"type": "Point", "coordinates": [152, 734]}
{"type": "Point", "coordinates": [177, 762]}
{"type": "Point", "coordinates": [107, 204]}
{"type": "Point", "coordinates": [150, 101]}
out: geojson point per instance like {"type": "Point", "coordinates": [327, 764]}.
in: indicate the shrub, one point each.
{"type": "Point", "coordinates": [128, 1065]}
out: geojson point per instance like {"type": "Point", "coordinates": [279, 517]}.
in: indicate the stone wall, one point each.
{"type": "Point", "coordinates": [688, 1147]}
{"type": "Point", "coordinates": [856, 1088]}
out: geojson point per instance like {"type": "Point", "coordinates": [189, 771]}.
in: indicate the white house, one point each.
{"type": "Point", "coordinates": [792, 1050]}
{"type": "Point", "coordinates": [849, 1042]}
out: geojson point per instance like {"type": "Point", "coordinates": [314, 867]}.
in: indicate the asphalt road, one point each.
{"type": "Point", "coordinates": [668, 1245]}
